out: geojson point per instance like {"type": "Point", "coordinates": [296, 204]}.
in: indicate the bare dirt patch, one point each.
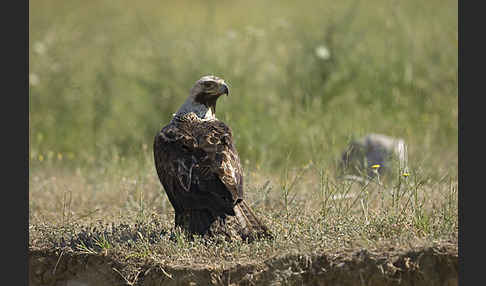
{"type": "Point", "coordinates": [431, 265]}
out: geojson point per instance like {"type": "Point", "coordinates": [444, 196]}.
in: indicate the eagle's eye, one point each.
{"type": "Point", "coordinates": [209, 84]}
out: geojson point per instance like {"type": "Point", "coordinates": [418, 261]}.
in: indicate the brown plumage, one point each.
{"type": "Point", "coordinates": [199, 167]}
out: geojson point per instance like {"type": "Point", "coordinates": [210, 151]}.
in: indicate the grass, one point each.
{"type": "Point", "coordinates": [305, 79]}
{"type": "Point", "coordinates": [307, 210]}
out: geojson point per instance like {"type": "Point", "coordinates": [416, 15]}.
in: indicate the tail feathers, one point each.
{"type": "Point", "coordinates": [250, 227]}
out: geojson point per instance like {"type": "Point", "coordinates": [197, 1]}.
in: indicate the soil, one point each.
{"type": "Point", "coordinates": [432, 265]}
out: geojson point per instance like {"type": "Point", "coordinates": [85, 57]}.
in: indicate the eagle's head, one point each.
{"type": "Point", "coordinates": [208, 89]}
{"type": "Point", "coordinates": [203, 96]}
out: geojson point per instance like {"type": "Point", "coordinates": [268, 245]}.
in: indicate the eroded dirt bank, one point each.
{"type": "Point", "coordinates": [436, 265]}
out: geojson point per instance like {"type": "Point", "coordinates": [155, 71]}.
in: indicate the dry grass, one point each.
{"type": "Point", "coordinates": [307, 210]}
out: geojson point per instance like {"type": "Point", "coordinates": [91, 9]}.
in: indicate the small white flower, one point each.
{"type": "Point", "coordinates": [323, 53]}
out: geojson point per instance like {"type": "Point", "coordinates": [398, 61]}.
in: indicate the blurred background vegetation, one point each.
{"type": "Point", "coordinates": [305, 77]}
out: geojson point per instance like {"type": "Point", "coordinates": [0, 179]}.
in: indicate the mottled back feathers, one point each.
{"type": "Point", "coordinates": [199, 156]}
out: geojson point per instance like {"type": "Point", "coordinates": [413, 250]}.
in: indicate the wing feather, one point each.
{"type": "Point", "coordinates": [198, 165]}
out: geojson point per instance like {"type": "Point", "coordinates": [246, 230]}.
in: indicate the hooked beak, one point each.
{"type": "Point", "coordinates": [223, 89]}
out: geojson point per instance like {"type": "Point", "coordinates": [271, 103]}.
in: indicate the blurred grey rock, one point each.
{"type": "Point", "coordinates": [375, 149]}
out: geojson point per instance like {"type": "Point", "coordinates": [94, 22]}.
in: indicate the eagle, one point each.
{"type": "Point", "coordinates": [199, 168]}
